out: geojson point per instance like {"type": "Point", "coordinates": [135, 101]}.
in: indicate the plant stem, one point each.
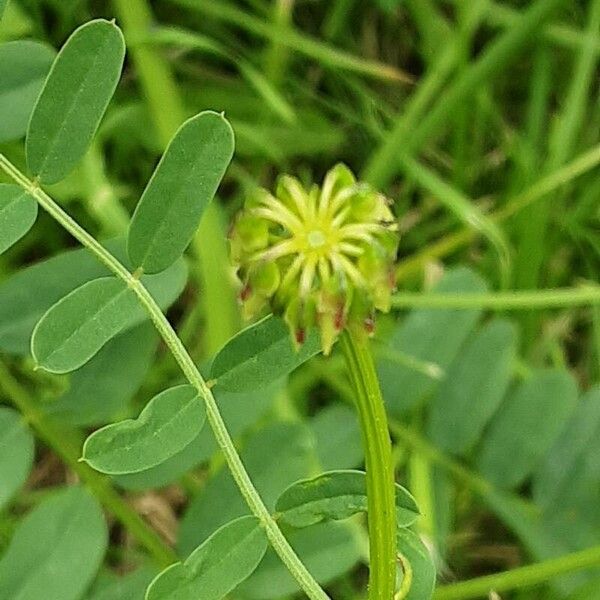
{"type": "Point", "coordinates": [513, 300]}
{"type": "Point", "coordinates": [238, 471]}
{"type": "Point", "coordinates": [62, 441]}
{"type": "Point", "coordinates": [378, 458]}
{"type": "Point", "coordinates": [521, 577]}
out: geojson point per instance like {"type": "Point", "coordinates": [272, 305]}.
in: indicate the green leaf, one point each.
{"type": "Point", "coordinates": [526, 426]}
{"type": "Point", "coordinates": [328, 550]}
{"type": "Point", "coordinates": [336, 495]}
{"type": "Point", "coordinates": [78, 326]}
{"type": "Point", "coordinates": [185, 181]}
{"type": "Point", "coordinates": [3, 4]}
{"type": "Point", "coordinates": [217, 566]}
{"type": "Point", "coordinates": [554, 479]}
{"type": "Point", "coordinates": [337, 437]}
{"type": "Point", "coordinates": [274, 457]}
{"type": "Point", "coordinates": [75, 328]}
{"type": "Point", "coordinates": [73, 100]}
{"type": "Point", "coordinates": [131, 586]}
{"type": "Point", "coordinates": [56, 550]}
{"type": "Point", "coordinates": [430, 335]}
{"type": "Point", "coordinates": [24, 65]}
{"type": "Point", "coordinates": [16, 453]}
{"type": "Point", "coordinates": [239, 411]}
{"type": "Point", "coordinates": [18, 212]}
{"type": "Point", "coordinates": [473, 388]}
{"type": "Point", "coordinates": [99, 391]}
{"type": "Point", "coordinates": [52, 279]}
{"type": "Point", "coordinates": [169, 422]}
{"type": "Point", "coordinates": [417, 567]}
{"type": "Point", "coordinates": [259, 355]}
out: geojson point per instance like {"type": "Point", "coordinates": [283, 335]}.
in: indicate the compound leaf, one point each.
{"type": "Point", "coordinates": [74, 98]}
{"type": "Point", "coordinates": [18, 212]}
{"type": "Point", "coordinates": [184, 182]}
{"type": "Point", "coordinates": [336, 495]}
{"type": "Point", "coordinates": [217, 566]}
{"type": "Point", "coordinates": [169, 422]}
{"type": "Point", "coordinates": [239, 411]}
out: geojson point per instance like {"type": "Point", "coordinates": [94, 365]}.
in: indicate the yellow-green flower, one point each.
{"type": "Point", "coordinates": [320, 257]}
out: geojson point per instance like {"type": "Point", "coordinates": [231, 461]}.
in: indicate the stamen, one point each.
{"type": "Point", "coordinates": [340, 198]}
{"type": "Point", "coordinates": [351, 270]}
{"type": "Point", "coordinates": [324, 270]}
{"type": "Point", "coordinates": [285, 217]}
{"type": "Point", "coordinates": [326, 191]}
{"type": "Point", "coordinates": [299, 197]}
{"type": "Point", "coordinates": [293, 271]}
{"type": "Point", "coordinates": [289, 246]}
{"type": "Point", "coordinates": [307, 277]}
{"type": "Point", "coordinates": [350, 249]}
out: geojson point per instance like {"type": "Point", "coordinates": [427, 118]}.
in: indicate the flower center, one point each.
{"type": "Point", "coordinates": [316, 239]}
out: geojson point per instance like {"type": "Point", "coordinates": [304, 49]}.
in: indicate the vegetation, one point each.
{"type": "Point", "coordinates": [367, 368]}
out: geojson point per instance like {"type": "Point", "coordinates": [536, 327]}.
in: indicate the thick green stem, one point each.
{"type": "Point", "coordinates": [189, 369]}
{"type": "Point", "coordinates": [63, 443]}
{"type": "Point", "coordinates": [378, 458]}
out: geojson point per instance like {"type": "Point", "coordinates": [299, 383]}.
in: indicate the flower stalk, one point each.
{"type": "Point", "coordinates": [324, 257]}
{"type": "Point", "coordinates": [379, 465]}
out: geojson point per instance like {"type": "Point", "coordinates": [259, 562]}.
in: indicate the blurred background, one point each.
{"type": "Point", "coordinates": [480, 120]}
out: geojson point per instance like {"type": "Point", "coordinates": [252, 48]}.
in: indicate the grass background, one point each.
{"type": "Point", "coordinates": [480, 120]}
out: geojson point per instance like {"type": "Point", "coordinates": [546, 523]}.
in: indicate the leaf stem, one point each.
{"type": "Point", "coordinates": [185, 362]}
{"type": "Point", "coordinates": [62, 441]}
{"type": "Point", "coordinates": [513, 300]}
{"type": "Point", "coordinates": [378, 457]}
{"type": "Point", "coordinates": [521, 577]}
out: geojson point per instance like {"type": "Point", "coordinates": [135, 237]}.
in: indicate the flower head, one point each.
{"type": "Point", "coordinates": [320, 256]}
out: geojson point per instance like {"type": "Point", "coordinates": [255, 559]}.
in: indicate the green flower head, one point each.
{"type": "Point", "coordinates": [320, 257]}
